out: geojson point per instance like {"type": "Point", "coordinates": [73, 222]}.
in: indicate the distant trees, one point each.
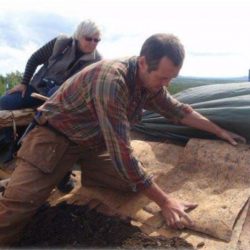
{"type": "Point", "coordinates": [9, 81]}
{"type": "Point", "coordinates": [177, 84]}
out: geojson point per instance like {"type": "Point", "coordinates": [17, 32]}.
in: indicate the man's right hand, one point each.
{"type": "Point", "coordinates": [174, 213]}
{"type": "Point", "coordinates": [18, 88]}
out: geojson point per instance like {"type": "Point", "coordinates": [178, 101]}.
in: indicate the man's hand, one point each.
{"type": "Point", "coordinates": [18, 88]}
{"type": "Point", "coordinates": [231, 137]}
{"type": "Point", "coordinates": [174, 213]}
{"type": "Point", "coordinates": [196, 120]}
{"type": "Point", "coordinates": [172, 210]}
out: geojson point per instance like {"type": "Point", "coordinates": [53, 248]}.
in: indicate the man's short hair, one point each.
{"type": "Point", "coordinates": [162, 45]}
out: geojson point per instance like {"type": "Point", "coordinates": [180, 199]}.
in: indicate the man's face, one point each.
{"type": "Point", "coordinates": [156, 79]}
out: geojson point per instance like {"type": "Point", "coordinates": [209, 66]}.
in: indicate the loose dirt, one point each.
{"type": "Point", "coordinates": [72, 226]}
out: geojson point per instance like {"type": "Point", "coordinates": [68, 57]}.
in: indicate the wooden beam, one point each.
{"type": "Point", "coordinates": [18, 117]}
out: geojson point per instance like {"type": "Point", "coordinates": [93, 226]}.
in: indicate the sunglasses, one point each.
{"type": "Point", "coordinates": [90, 39]}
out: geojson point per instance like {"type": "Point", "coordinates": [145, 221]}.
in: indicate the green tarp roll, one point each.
{"type": "Point", "coordinates": [227, 104]}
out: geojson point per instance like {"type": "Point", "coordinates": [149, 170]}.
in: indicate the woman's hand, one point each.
{"type": "Point", "coordinates": [18, 88]}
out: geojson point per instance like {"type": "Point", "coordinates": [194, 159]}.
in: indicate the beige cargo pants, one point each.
{"type": "Point", "coordinates": [42, 161]}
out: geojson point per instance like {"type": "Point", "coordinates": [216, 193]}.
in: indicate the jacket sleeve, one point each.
{"type": "Point", "coordinates": [111, 100]}
{"type": "Point", "coordinates": [41, 56]}
{"type": "Point", "coordinates": [166, 105]}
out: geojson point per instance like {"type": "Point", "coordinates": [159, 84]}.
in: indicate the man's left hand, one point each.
{"type": "Point", "coordinates": [231, 137]}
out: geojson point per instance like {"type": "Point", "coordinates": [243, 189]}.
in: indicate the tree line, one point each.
{"type": "Point", "coordinates": [179, 84]}
{"type": "Point", "coordinates": [9, 81]}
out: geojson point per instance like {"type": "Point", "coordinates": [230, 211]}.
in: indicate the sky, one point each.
{"type": "Point", "coordinates": [215, 33]}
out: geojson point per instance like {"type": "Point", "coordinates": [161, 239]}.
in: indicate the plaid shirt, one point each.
{"type": "Point", "coordinates": [97, 106]}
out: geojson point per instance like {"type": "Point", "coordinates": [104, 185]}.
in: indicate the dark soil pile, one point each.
{"type": "Point", "coordinates": [71, 226]}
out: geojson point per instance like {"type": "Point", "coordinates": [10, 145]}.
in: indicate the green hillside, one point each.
{"type": "Point", "coordinates": [9, 81]}
{"type": "Point", "coordinates": [178, 84]}
{"type": "Point", "coordinates": [182, 82]}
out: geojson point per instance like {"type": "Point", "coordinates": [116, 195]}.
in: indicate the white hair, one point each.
{"type": "Point", "coordinates": [86, 28]}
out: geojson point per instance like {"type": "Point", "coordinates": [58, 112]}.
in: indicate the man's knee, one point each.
{"type": "Point", "coordinates": [100, 179]}
{"type": "Point", "coordinates": [98, 170]}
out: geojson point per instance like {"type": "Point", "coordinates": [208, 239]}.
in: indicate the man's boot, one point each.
{"type": "Point", "coordinates": [66, 184]}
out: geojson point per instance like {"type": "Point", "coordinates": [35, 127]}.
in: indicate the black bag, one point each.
{"type": "Point", "coordinates": [45, 85]}
{"type": "Point", "coordinates": [8, 144]}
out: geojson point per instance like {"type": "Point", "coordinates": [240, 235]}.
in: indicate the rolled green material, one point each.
{"type": "Point", "coordinates": [227, 104]}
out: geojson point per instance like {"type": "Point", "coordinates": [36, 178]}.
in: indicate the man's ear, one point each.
{"type": "Point", "coordinates": [142, 63]}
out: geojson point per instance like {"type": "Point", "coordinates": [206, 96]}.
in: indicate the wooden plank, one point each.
{"type": "Point", "coordinates": [18, 117]}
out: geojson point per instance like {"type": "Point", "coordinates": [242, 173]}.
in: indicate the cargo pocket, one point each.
{"type": "Point", "coordinates": [43, 148]}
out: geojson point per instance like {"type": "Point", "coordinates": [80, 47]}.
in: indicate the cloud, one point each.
{"type": "Point", "coordinates": [212, 54]}
{"type": "Point", "coordinates": [24, 33]}
{"type": "Point", "coordinates": [37, 27]}
{"type": "Point", "coordinates": [13, 59]}
{"type": "Point", "coordinates": [211, 30]}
